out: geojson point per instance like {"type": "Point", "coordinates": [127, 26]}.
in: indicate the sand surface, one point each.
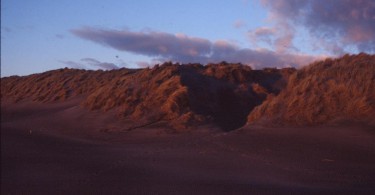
{"type": "Point", "coordinates": [63, 149]}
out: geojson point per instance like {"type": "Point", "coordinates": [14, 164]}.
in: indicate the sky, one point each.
{"type": "Point", "coordinates": [42, 35]}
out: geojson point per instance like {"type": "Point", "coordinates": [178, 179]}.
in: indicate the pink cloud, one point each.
{"type": "Point", "coordinates": [239, 24]}
{"type": "Point", "coordinates": [262, 34]}
{"type": "Point", "coordinates": [279, 37]}
{"type": "Point", "coordinates": [345, 23]}
{"type": "Point", "coordinates": [143, 64]}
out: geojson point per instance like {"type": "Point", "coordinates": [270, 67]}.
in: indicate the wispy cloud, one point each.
{"type": "Point", "coordinates": [59, 36]}
{"type": "Point", "coordinates": [262, 35]}
{"type": "Point", "coordinates": [143, 64]}
{"type": "Point", "coordinates": [73, 64]}
{"type": "Point", "coordinates": [163, 46]}
{"type": "Point", "coordinates": [90, 63]}
{"type": "Point", "coordinates": [101, 65]}
{"type": "Point", "coordinates": [239, 24]}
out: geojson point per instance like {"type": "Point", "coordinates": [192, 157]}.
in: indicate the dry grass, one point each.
{"type": "Point", "coordinates": [56, 85]}
{"type": "Point", "coordinates": [325, 91]}
{"type": "Point", "coordinates": [223, 94]}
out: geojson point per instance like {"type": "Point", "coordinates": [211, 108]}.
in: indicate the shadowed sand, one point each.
{"type": "Point", "coordinates": [61, 148]}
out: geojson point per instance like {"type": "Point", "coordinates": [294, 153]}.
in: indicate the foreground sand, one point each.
{"type": "Point", "coordinates": [62, 149]}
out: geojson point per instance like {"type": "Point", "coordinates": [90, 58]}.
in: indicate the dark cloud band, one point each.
{"type": "Point", "coordinates": [90, 62]}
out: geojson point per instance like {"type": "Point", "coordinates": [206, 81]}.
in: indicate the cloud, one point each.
{"type": "Point", "coordinates": [59, 36]}
{"type": "Point", "coordinates": [337, 24]}
{"type": "Point", "coordinates": [90, 62]}
{"type": "Point", "coordinates": [239, 24]}
{"type": "Point", "coordinates": [262, 35]}
{"type": "Point", "coordinates": [143, 64]}
{"type": "Point", "coordinates": [264, 31]}
{"type": "Point", "coordinates": [101, 65]}
{"type": "Point", "coordinates": [163, 46]}
{"type": "Point", "coordinates": [73, 64]}
{"type": "Point", "coordinates": [261, 58]}
{"type": "Point", "coordinates": [279, 37]}
{"type": "Point", "coordinates": [155, 44]}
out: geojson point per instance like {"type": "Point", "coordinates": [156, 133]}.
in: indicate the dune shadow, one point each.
{"type": "Point", "coordinates": [227, 100]}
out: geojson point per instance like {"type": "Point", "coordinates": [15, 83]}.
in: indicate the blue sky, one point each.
{"type": "Point", "coordinates": [41, 35]}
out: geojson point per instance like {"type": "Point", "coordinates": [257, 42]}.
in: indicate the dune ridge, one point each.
{"type": "Point", "coordinates": [182, 95]}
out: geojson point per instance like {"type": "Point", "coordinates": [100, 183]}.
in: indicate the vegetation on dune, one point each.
{"type": "Point", "coordinates": [325, 91]}
{"type": "Point", "coordinates": [227, 95]}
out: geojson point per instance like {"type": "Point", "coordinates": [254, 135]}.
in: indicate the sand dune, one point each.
{"type": "Point", "coordinates": [186, 96]}
{"type": "Point", "coordinates": [183, 95]}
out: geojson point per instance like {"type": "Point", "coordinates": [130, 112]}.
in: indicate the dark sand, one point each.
{"type": "Point", "coordinates": [62, 149]}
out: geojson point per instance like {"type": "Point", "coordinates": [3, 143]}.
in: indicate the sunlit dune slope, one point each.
{"type": "Point", "coordinates": [333, 90]}
{"type": "Point", "coordinates": [56, 85]}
